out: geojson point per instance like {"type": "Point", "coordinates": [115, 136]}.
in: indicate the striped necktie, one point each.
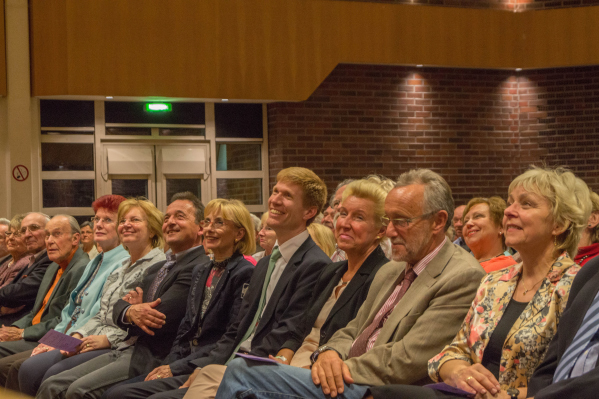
{"type": "Point", "coordinates": [159, 277]}
{"type": "Point", "coordinates": [588, 328]}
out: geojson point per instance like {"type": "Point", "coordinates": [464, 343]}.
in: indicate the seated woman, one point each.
{"type": "Point", "coordinates": [267, 236]}
{"type": "Point", "coordinates": [515, 313]}
{"type": "Point", "coordinates": [139, 230]}
{"type": "Point", "coordinates": [323, 237]}
{"type": "Point", "coordinates": [588, 247]}
{"type": "Point", "coordinates": [483, 233]}
{"type": "Point", "coordinates": [340, 289]}
{"type": "Point", "coordinates": [15, 244]}
{"type": "Point", "coordinates": [87, 240]}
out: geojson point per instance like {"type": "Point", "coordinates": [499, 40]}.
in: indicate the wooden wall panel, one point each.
{"type": "Point", "coordinates": [276, 50]}
{"type": "Point", "coordinates": [2, 51]}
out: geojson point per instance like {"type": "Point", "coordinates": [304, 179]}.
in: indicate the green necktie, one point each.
{"type": "Point", "coordinates": [274, 257]}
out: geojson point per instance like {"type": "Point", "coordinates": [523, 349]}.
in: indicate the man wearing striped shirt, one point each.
{"type": "Point", "coordinates": [414, 308]}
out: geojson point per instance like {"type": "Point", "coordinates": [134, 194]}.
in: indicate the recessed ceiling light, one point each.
{"type": "Point", "coordinates": [225, 100]}
{"type": "Point", "coordinates": [419, 66]}
{"type": "Point", "coordinates": [518, 69]}
{"type": "Point", "coordinates": [109, 97]}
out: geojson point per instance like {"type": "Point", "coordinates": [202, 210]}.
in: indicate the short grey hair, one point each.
{"type": "Point", "coordinates": [87, 224]}
{"type": "Point", "coordinates": [256, 221]}
{"type": "Point", "coordinates": [437, 193]}
{"type": "Point", "coordinates": [72, 222]}
{"type": "Point", "coordinates": [39, 213]}
{"type": "Point", "coordinates": [342, 184]}
{"type": "Point", "coordinates": [4, 221]}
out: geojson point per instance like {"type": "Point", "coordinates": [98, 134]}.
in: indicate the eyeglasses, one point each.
{"type": "Point", "coordinates": [133, 220]}
{"type": "Point", "coordinates": [216, 223]}
{"type": "Point", "coordinates": [96, 220]}
{"type": "Point", "coordinates": [32, 228]}
{"type": "Point", "coordinates": [15, 234]}
{"type": "Point", "coordinates": [402, 222]}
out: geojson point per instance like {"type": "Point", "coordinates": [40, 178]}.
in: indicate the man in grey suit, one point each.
{"type": "Point", "coordinates": [61, 277]}
{"type": "Point", "coordinates": [414, 307]}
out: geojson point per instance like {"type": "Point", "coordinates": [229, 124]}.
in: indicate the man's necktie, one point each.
{"type": "Point", "coordinates": [359, 346]}
{"type": "Point", "coordinates": [583, 336]}
{"type": "Point", "coordinates": [159, 277]}
{"type": "Point", "coordinates": [274, 257]}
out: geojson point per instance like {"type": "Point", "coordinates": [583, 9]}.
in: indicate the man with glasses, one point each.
{"type": "Point", "coordinates": [18, 297]}
{"type": "Point", "coordinates": [414, 307]}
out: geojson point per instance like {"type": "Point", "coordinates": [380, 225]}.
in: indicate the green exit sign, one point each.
{"type": "Point", "coordinates": [159, 107]}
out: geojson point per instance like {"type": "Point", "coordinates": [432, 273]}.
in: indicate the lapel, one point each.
{"type": "Point", "coordinates": [45, 285]}
{"type": "Point", "coordinates": [288, 272]}
{"type": "Point", "coordinates": [179, 263]}
{"type": "Point", "coordinates": [200, 286]}
{"type": "Point", "coordinates": [414, 295]}
{"type": "Point", "coordinates": [76, 259]}
{"type": "Point", "coordinates": [543, 295]}
{"type": "Point", "coordinates": [223, 280]}
{"type": "Point", "coordinates": [582, 303]}
{"type": "Point", "coordinates": [359, 279]}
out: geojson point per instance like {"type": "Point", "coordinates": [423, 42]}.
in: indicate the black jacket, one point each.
{"type": "Point", "coordinates": [583, 291]}
{"type": "Point", "coordinates": [150, 350]}
{"type": "Point", "coordinates": [222, 310]}
{"type": "Point", "coordinates": [23, 289]}
{"type": "Point", "coordinates": [283, 312]}
{"type": "Point", "coordinates": [347, 305]}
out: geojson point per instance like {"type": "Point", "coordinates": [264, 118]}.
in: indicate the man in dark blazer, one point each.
{"type": "Point", "coordinates": [295, 201]}
{"type": "Point", "coordinates": [62, 276]}
{"type": "Point", "coordinates": [541, 386]}
{"type": "Point", "coordinates": [18, 297]}
{"type": "Point", "coordinates": [151, 317]}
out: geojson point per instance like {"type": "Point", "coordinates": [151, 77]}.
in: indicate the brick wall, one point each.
{"type": "Point", "coordinates": [477, 128]}
{"type": "Point", "coordinates": [247, 190]}
{"type": "Point", "coordinates": [509, 5]}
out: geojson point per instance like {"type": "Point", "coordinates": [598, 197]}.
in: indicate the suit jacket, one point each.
{"type": "Point", "coordinates": [150, 350]}
{"type": "Point", "coordinates": [222, 310]}
{"type": "Point", "coordinates": [583, 291]}
{"type": "Point", "coordinates": [347, 305]}
{"type": "Point", "coordinates": [423, 322]}
{"type": "Point", "coordinates": [283, 312]}
{"type": "Point", "coordinates": [58, 299]}
{"type": "Point", "coordinates": [23, 289]}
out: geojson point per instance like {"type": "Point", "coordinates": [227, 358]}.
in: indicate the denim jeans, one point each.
{"type": "Point", "coordinates": [250, 379]}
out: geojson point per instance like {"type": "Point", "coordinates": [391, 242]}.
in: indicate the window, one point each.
{"type": "Point", "coordinates": [247, 190]}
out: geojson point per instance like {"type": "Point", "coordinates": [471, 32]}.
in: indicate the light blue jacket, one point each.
{"type": "Point", "coordinates": [90, 305]}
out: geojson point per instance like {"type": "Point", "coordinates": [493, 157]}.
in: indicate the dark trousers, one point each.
{"type": "Point", "coordinates": [35, 370]}
{"type": "Point", "coordinates": [409, 392]}
{"type": "Point", "coordinates": [137, 388]}
{"type": "Point", "coordinates": [10, 352]}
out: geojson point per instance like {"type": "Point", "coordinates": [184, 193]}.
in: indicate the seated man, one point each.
{"type": "Point", "coordinates": [414, 307]}
{"type": "Point", "coordinates": [62, 276]}
{"type": "Point", "coordinates": [18, 297]}
{"type": "Point", "coordinates": [569, 369]}
{"type": "Point", "coordinates": [278, 293]}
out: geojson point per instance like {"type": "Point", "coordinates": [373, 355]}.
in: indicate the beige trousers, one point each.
{"type": "Point", "coordinates": [206, 383]}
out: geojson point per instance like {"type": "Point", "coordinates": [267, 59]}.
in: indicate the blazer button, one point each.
{"type": "Point", "coordinates": [195, 342]}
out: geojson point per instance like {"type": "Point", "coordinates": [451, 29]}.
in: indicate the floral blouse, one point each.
{"type": "Point", "coordinates": [527, 341]}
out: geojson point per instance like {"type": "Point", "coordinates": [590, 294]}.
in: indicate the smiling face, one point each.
{"type": "Point", "coordinates": [479, 229]}
{"type": "Point", "coordinates": [411, 243]}
{"type": "Point", "coordinates": [328, 217]}
{"type": "Point", "coordinates": [267, 238]}
{"type": "Point", "coordinates": [221, 235]}
{"type": "Point", "coordinates": [60, 241]}
{"type": "Point", "coordinates": [32, 230]}
{"type": "Point", "coordinates": [15, 243]}
{"type": "Point", "coordinates": [105, 230]}
{"type": "Point", "coordinates": [180, 229]}
{"type": "Point", "coordinates": [528, 221]}
{"type": "Point", "coordinates": [287, 215]}
{"type": "Point", "coordinates": [457, 220]}
{"type": "Point", "coordinates": [134, 230]}
{"type": "Point", "coordinates": [356, 231]}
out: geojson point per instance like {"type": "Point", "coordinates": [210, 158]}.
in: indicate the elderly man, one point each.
{"type": "Point", "coordinates": [4, 256]}
{"type": "Point", "coordinates": [18, 297]}
{"type": "Point", "coordinates": [458, 224]}
{"type": "Point", "coordinates": [68, 262]}
{"type": "Point", "coordinates": [414, 307]}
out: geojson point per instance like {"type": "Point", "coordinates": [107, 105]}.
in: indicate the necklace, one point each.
{"type": "Point", "coordinates": [582, 259]}
{"type": "Point", "coordinates": [492, 257]}
{"type": "Point", "coordinates": [533, 286]}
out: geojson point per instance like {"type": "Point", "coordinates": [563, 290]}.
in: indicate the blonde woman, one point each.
{"type": "Point", "coordinates": [267, 237]}
{"type": "Point", "coordinates": [323, 237]}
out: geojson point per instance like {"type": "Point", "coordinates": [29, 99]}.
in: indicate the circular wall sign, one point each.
{"type": "Point", "coordinates": [20, 173]}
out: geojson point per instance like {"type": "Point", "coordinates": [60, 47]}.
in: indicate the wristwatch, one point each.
{"type": "Point", "coordinates": [318, 351]}
{"type": "Point", "coordinates": [513, 392]}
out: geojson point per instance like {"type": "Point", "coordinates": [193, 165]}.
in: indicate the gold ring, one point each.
{"type": "Point", "coordinates": [469, 378]}
{"type": "Point", "coordinates": [157, 375]}
{"type": "Point", "coordinates": [87, 345]}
